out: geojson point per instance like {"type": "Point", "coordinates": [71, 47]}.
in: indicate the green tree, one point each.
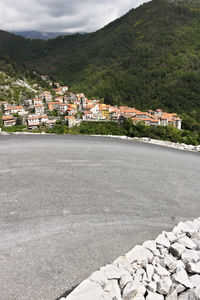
{"type": "Point", "coordinates": [19, 120]}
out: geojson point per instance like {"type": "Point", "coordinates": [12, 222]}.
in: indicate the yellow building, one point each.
{"type": "Point", "coordinates": [105, 114]}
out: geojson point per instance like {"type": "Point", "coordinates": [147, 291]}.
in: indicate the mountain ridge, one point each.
{"type": "Point", "coordinates": [43, 35]}
{"type": "Point", "coordinates": [147, 58]}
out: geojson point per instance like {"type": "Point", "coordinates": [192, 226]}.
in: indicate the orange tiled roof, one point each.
{"type": "Point", "coordinates": [87, 112]}
{"type": "Point", "coordinates": [52, 103]}
{"type": "Point", "coordinates": [7, 118]}
{"type": "Point", "coordinates": [140, 113]}
{"type": "Point", "coordinates": [154, 120]}
{"type": "Point", "coordinates": [69, 117]}
{"type": "Point", "coordinates": [37, 117]}
{"type": "Point", "coordinates": [14, 107]}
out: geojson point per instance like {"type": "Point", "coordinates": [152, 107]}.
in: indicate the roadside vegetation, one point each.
{"type": "Point", "coordinates": [126, 128]}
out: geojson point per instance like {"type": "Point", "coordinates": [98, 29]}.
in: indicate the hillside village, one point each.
{"type": "Point", "coordinates": [61, 105]}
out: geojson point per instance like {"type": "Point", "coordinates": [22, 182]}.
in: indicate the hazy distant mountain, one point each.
{"type": "Point", "coordinates": [39, 34]}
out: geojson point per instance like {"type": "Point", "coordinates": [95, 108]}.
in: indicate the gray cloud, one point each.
{"type": "Point", "coordinates": [62, 15]}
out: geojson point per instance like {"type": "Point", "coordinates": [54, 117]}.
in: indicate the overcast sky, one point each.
{"type": "Point", "coordinates": [62, 15]}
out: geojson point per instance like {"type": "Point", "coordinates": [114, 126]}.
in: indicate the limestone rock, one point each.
{"type": "Point", "coordinates": [140, 272]}
{"type": "Point", "coordinates": [182, 277]}
{"type": "Point", "coordinates": [139, 254]}
{"type": "Point", "coordinates": [162, 262]}
{"type": "Point", "coordinates": [197, 293]}
{"type": "Point", "coordinates": [98, 277]}
{"type": "Point", "coordinates": [195, 280]}
{"type": "Point", "coordinates": [180, 264]}
{"type": "Point", "coordinates": [161, 271]}
{"type": "Point", "coordinates": [137, 297]}
{"type": "Point", "coordinates": [188, 295]}
{"type": "Point", "coordinates": [180, 288]}
{"type": "Point", "coordinates": [113, 290]}
{"type": "Point", "coordinates": [154, 296]}
{"type": "Point", "coordinates": [197, 243]}
{"type": "Point", "coordinates": [87, 290]}
{"type": "Point", "coordinates": [152, 286]}
{"type": "Point", "coordinates": [135, 266]}
{"type": "Point", "coordinates": [145, 278]}
{"type": "Point", "coordinates": [171, 236]}
{"type": "Point", "coordinates": [193, 225]}
{"type": "Point", "coordinates": [112, 272]}
{"type": "Point", "coordinates": [187, 242]}
{"type": "Point", "coordinates": [197, 224]}
{"type": "Point", "coordinates": [126, 278]}
{"type": "Point", "coordinates": [134, 297]}
{"type": "Point", "coordinates": [134, 287]}
{"type": "Point", "coordinates": [170, 261]}
{"type": "Point", "coordinates": [149, 271]}
{"type": "Point", "coordinates": [162, 240]}
{"type": "Point", "coordinates": [122, 262]}
{"type": "Point", "coordinates": [156, 277]}
{"type": "Point", "coordinates": [151, 245]}
{"type": "Point", "coordinates": [194, 268]}
{"type": "Point", "coordinates": [196, 235]}
{"type": "Point", "coordinates": [190, 256]}
{"type": "Point", "coordinates": [156, 260]}
{"type": "Point", "coordinates": [172, 296]}
{"type": "Point", "coordinates": [183, 227]}
{"type": "Point", "coordinates": [163, 251]}
{"type": "Point", "coordinates": [177, 249]}
{"type": "Point", "coordinates": [163, 287]}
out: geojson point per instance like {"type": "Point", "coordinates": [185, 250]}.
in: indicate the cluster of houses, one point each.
{"type": "Point", "coordinates": [47, 109]}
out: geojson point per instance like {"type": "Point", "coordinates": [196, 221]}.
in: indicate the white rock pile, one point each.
{"type": "Point", "coordinates": [166, 268]}
{"type": "Point", "coordinates": [179, 146]}
{"type": "Point", "coordinates": [168, 144]}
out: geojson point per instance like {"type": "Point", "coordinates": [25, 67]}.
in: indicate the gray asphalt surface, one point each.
{"type": "Point", "coordinates": [70, 204]}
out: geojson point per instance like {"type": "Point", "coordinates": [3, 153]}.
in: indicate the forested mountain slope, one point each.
{"type": "Point", "coordinates": [148, 58]}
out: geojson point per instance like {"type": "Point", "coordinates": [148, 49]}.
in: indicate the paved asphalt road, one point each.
{"type": "Point", "coordinates": [70, 204]}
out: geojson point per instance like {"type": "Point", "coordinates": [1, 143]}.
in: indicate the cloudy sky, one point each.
{"type": "Point", "coordinates": [62, 15]}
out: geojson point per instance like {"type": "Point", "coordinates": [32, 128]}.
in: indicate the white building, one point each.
{"type": "Point", "coordinates": [14, 110]}
{"type": "Point", "coordinates": [72, 121]}
{"type": "Point", "coordinates": [46, 96]}
{"type": "Point", "coordinates": [95, 110]}
{"type": "Point", "coordinates": [8, 121]}
{"type": "Point", "coordinates": [34, 121]}
{"type": "Point", "coordinates": [64, 89]}
{"type": "Point", "coordinates": [177, 123]}
{"type": "Point", "coordinates": [59, 99]}
{"type": "Point", "coordinates": [163, 121]}
{"type": "Point", "coordinates": [63, 108]}
{"type": "Point", "coordinates": [37, 101]}
{"type": "Point", "coordinates": [39, 109]}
